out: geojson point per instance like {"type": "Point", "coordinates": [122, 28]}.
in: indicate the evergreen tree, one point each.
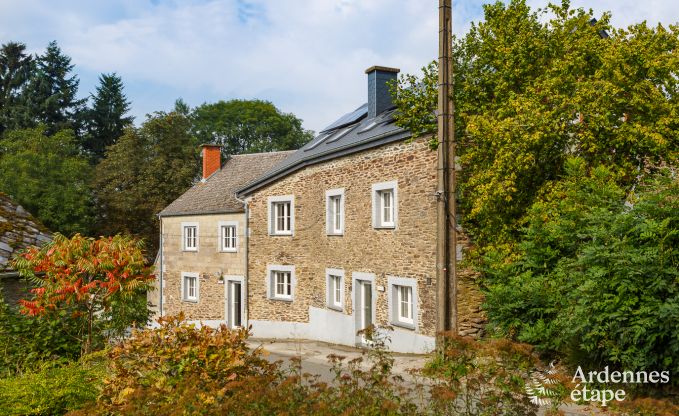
{"type": "Point", "coordinates": [107, 119]}
{"type": "Point", "coordinates": [15, 71]}
{"type": "Point", "coordinates": [51, 92]}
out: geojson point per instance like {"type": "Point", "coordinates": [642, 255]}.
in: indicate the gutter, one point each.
{"type": "Point", "coordinates": [160, 248]}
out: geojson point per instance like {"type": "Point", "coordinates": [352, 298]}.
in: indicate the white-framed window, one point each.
{"type": "Point", "coordinates": [281, 282]}
{"type": "Point", "coordinates": [334, 279]}
{"type": "Point", "coordinates": [334, 208]}
{"type": "Point", "coordinates": [385, 204]}
{"type": "Point", "coordinates": [190, 236]}
{"type": "Point", "coordinates": [403, 301]}
{"type": "Point", "coordinates": [281, 215]}
{"type": "Point", "coordinates": [228, 236]}
{"type": "Point", "coordinates": [190, 287]}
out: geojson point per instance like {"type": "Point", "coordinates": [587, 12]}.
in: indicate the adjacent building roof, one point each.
{"type": "Point", "coordinates": [18, 230]}
{"type": "Point", "coordinates": [217, 194]}
{"type": "Point", "coordinates": [351, 133]}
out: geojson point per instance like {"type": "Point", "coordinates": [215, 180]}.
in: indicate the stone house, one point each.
{"type": "Point", "coordinates": [335, 236]}
{"type": "Point", "coordinates": [202, 254]}
{"type": "Point", "coordinates": [18, 230]}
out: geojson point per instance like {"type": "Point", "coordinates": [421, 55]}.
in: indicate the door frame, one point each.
{"type": "Point", "coordinates": [357, 279]}
{"type": "Point", "coordinates": [228, 280]}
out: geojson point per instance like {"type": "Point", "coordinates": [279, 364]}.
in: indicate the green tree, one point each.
{"type": "Point", "coordinates": [531, 91]}
{"type": "Point", "coordinates": [107, 118]}
{"type": "Point", "coordinates": [142, 173]}
{"type": "Point", "coordinates": [51, 92]}
{"type": "Point", "coordinates": [48, 176]}
{"type": "Point", "coordinates": [15, 71]}
{"type": "Point", "coordinates": [247, 126]}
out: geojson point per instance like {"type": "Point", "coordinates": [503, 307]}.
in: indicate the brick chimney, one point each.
{"type": "Point", "coordinates": [212, 159]}
{"type": "Point", "coordinates": [379, 97]}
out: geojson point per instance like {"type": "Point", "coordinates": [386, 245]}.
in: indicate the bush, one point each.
{"type": "Point", "coordinates": [52, 389]}
{"type": "Point", "coordinates": [595, 279]}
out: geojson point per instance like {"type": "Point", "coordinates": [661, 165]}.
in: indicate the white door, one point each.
{"type": "Point", "coordinates": [234, 303]}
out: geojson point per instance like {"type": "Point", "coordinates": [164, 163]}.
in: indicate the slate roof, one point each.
{"type": "Point", "coordinates": [217, 194]}
{"type": "Point", "coordinates": [351, 133]}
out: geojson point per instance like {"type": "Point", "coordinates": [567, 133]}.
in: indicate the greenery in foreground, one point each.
{"type": "Point", "coordinates": [568, 137]}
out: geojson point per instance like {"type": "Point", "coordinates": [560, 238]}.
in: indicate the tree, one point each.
{"type": "Point", "coordinates": [247, 126]}
{"type": "Point", "coordinates": [142, 173]}
{"type": "Point", "coordinates": [80, 278]}
{"type": "Point", "coordinates": [107, 118]}
{"type": "Point", "coordinates": [51, 92]}
{"type": "Point", "coordinates": [531, 92]}
{"type": "Point", "coordinates": [15, 71]}
{"type": "Point", "coordinates": [48, 176]}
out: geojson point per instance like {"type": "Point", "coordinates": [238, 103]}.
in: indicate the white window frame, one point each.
{"type": "Point", "coordinates": [394, 285]}
{"type": "Point", "coordinates": [273, 223]}
{"type": "Point", "coordinates": [220, 232]}
{"type": "Point", "coordinates": [331, 214]}
{"type": "Point", "coordinates": [185, 226]}
{"type": "Point", "coordinates": [184, 294]}
{"type": "Point", "coordinates": [228, 313]}
{"type": "Point", "coordinates": [330, 289]}
{"type": "Point", "coordinates": [377, 212]}
{"type": "Point", "coordinates": [271, 271]}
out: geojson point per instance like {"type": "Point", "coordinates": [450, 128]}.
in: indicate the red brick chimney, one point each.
{"type": "Point", "coordinates": [212, 159]}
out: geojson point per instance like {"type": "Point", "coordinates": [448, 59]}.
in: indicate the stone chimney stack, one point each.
{"type": "Point", "coordinates": [379, 97]}
{"type": "Point", "coordinates": [212, 159]}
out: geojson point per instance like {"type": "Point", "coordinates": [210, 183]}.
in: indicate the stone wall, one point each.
{"type": "Point", "coordinates": [208, 261]}
{"type": "Point", "coordinates": [407, 251]}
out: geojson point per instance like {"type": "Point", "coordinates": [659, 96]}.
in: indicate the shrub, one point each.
{"type": "Point", "coordinates": [52, 389]}
{"type": "Point", "coordinates": [595, 278]}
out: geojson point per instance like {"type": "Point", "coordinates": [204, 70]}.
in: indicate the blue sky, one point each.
{"type": "Point", "coordinates": [306, 56]}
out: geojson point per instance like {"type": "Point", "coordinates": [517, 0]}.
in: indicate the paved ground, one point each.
{"type": "Point", "coordinates": [314, 357]}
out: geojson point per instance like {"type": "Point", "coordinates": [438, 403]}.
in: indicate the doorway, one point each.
{"type": "Point", "coordinates": [234, 302]}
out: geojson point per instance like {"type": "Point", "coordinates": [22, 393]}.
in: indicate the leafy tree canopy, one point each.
{"type": "Point", "coordinates": [247, 126]}
{"type": "Point", "coordinates": [531, 91]}
{"type": "Point", "coordinates": [145, 170]}
{"type": "Point", "coordinates": [48, 176]}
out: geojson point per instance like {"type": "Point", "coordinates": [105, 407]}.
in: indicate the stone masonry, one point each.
{"type": "Point", "coordinates": [407, 251]}
{"type": "Point", "coordinates": [208, 261]}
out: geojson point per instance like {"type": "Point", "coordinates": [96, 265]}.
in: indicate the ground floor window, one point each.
{"type": "Point", "coordinates": [190, 287]}
{"type": "Point", "coordinates": [281, 282]}
{"type": "Point", "coordinates": [403, 301]}
{"type": "Point", "coordinates": [334, 281]}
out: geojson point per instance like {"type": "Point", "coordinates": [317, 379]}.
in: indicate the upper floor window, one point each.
{"type": "Point", "coordinates": [228, 232]}
{"type": "Point", "coordinates": [281, 282]}
{"type": "Point", "coordinates": [334, 207]}
{"type": "Point", "coordinates": [190, 236]}
{"type": "Point", "coordinates": [281, 215]}
{"type": "Point", "coordinates": [385, 204]}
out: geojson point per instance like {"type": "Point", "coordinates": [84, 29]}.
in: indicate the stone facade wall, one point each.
{"type": "Point", "coordinates": [208, 261]}
{"type": "Point", "coordinates": [409, 251]}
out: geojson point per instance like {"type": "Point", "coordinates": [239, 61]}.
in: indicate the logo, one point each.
{"type": "Point", "coordinates": [585, 390]}
{"type": "Point", "coordinates": [542, 387]}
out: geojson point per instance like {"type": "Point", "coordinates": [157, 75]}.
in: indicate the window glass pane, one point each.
{"type": "Point", "coordinates": [337, 211]}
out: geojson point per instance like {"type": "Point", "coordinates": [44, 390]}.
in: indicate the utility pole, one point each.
{"type": "Point", "coordinates": [446, 245]}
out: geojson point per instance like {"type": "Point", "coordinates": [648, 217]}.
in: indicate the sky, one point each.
{"type": "Point", "coordinates": [308, 57]}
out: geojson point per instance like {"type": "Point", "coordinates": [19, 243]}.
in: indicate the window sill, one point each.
{"type": "Point", "coordinates": [229, 250]}
{"type": "Point", "coordinates": [405, 325]}
{"type": "Point", "coordinates": [335, 234]}
{"type": "Point", "coordinates": [335, 308]}
{"type": "Point", "coordinates": [281, 234]}
{"type": "Point", "coordinates": [190, 300]}
{"type": "Point", "coordinates": [289, 300]}
{"type": "Point", "coordinates": [384, 227]}
{"type": "Point", "coordinates": [190, 250]}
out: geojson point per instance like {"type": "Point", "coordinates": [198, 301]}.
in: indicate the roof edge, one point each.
{"type": "Point", "coordinates": [372, 142]}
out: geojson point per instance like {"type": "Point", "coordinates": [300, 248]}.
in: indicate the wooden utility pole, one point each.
{"type": "Point", "coordinates": [446, 246]}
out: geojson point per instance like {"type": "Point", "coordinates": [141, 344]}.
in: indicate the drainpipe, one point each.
{"type": "Point", "coordinates": [246, 245]}
{"type": "Point", "coordinates": [160, 245]}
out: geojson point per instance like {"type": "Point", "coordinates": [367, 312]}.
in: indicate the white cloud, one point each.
{"type": "Point", "coordinates": [307, 56]}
